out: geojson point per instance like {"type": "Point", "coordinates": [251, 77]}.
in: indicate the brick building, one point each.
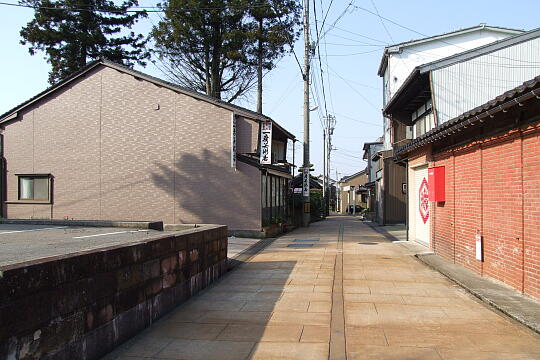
{"type": "Point", "coordinates": [484, 211]}
{"type": "Point", "coordinates": [113, 143]}
{"type": "Point", "coordinates": [479, 207]}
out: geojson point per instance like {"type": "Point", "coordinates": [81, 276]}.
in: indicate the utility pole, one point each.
{"type": "Point", "coordinates": [330, 126]}
{"type": "Point", "coordinates": [306, 167]}
{"type": "Point", "coordinates": [324, 164]}
{"type": "Point", "coordinates": [338, 207]}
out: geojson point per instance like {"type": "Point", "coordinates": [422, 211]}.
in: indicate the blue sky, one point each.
{"type": "Point", "coordinates": [350, 55]}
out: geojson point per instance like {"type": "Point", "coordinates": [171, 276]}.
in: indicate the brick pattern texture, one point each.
{"type": "Point", "coordinates": [83, 305]}
{"type": "Point", "coordinates": [121, 148]}
{"type": "Point", "coordinates": [493, 188]}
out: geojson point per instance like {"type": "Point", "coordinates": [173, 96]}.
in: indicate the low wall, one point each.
{"type": "Point", "coordinates": [81, 306]}
{"type": "Point", "coordinates": [155, 225]}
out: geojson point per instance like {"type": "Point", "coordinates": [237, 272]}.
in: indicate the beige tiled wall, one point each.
{"type": "Point", "coordinates": [123, 148]}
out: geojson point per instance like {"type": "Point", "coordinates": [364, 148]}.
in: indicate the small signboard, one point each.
{"type": "Point", "coordinates": [233, 142]}
{"type": "Point", "coordinates": [266, 143]}
{"type": "Point", "coordinates": [479, 254]}
{"type": "Point", "coordinates": [305, 182]}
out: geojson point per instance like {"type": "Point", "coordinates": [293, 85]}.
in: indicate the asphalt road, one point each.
{"type": "Point", "coordinates": [21, 243]}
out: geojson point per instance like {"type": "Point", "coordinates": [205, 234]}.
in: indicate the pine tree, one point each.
{"type": "Point", "coordinates": [75, 32]}
{"type": "Point", "coordinates": [273, 30]}
{"type": "Point", "coordinates": [202, 45]}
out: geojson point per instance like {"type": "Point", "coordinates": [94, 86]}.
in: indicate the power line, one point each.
{"type": "Point", "coordinates": [355, 40]}
{"type": "Point", "coordinates": [335, 21]}
{"type": "Point", "coordinates": [324, 19]}
{"type": "Point", "coordinates": [358, 53]}
{"type": "Point", "coordinates": [359, 121]}
{"type": "Point", "coordinates": [382, 22]}
{"type": "Point", "coordinates": [139, 9]}
{"type": "Point", "coordinates": [360, 35]}
{"type": "Point", "coordinates": [319, 56]}
{"type": "Point", "coordinates": [354, 89]}
{"type": "Point", "coordinates": [441, 40]}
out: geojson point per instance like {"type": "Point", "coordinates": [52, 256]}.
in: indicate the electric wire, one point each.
{"type": "Point", "coordinates": [138, 9]}
{"type": "Point", "coordinates": [319, 57]}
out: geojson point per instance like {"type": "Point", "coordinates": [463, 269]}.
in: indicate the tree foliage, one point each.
{"type": "Point", "coordinates": [272, 29]}
{"type": "Point", "coordinates": [214, 46]}
{"type": "Point", "coordinates": [75, 32]}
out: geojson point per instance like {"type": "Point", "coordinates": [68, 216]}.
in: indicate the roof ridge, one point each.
{"type": "Point", "coordinates": [155, 80]}
{"type": "Point", "coordinates": [434, 37]}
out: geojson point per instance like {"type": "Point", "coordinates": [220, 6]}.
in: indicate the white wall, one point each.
{"type": "Point", "coordinates": [401, 64]}
{"type": "Point", "coordinates": [463, 86]}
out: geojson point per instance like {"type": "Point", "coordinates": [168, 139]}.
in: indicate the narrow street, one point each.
{"type": "Point", "coordinates": [352, 294]}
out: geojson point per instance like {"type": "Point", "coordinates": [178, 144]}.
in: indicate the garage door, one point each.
{"type": "Point", "coordinates": [420, 208]}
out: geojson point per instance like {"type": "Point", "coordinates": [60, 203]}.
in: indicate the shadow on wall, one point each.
{"type": "Point", "coordinates": [207, 190]}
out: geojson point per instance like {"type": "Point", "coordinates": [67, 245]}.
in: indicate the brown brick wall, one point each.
{"type": "Point", "coordinates": [493, 186]}
{"type": "Point", "coordinates": [114, 155]}
{"type": "Point", "coordinates": [83, 305]}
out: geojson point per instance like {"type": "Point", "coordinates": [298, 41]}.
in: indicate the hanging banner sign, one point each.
{"type": "Point", "coordinates": [266, 143]}
{"type": "Point", "coordinates": [305, 182]}
{"type": "Point", "coordinates": [233, 142]}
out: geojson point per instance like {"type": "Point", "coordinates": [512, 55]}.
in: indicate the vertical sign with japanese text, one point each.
{"type": "Point", "coordinates": [233, 142]}
{"type": "Point", "coordinates": [266, 143]}
{"type": "Point", "coordinates": [305, 182]}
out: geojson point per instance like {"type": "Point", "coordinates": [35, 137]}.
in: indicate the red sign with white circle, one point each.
{"type": "Point", "coordinates": [423, 200]}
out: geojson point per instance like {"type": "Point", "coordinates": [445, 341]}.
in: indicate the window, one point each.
{"type": "Point", "coordinates": [423, 119]}
{"type": "Point", "coordinates": [34, 187]}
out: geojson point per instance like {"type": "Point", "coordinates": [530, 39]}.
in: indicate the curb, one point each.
{"type": "Point", "coordinates": [516, 300]}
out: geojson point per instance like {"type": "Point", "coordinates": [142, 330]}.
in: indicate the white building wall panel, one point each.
{"type": "Point", "coordinates": [401, 64]}
{"type": "Point", "coordinates": [463, 86]}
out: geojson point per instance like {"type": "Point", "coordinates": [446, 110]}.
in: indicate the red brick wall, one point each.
{"type": "Point", "coordinates": [502, 213]}
{"type": "Point", "coordinates": [443, 213]}
{"type": "Point", "coordinates": [468, 205]}
{"type": "Point", "coordinates": [531, 210]}
{"type": "Point", "coordinates": [493, 187]}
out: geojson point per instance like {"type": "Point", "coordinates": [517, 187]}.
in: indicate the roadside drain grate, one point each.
{"type": "Point", "coordinates": [300, 245]}
{"type": "Point", "coordinates": [387, 258]}
{"type": "Point", "coordinates": [368, 243]}
{"type": "Point", "coordinates": [305, 240]}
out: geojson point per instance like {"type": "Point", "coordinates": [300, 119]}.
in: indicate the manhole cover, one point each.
{"type": "Point", "coordinates": [305, 240]}
{"type": "Point", "coordinates": [367, 243]}
{"type": "Point", "coordinates": [299, 245]}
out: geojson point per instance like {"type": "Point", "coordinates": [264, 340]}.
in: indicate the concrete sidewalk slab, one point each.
{"type": "Point", "coordinates": [301, 303]}
{"type": "Point", "coordinates": [502, 297]}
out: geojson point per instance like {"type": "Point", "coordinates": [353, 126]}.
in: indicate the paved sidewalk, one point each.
{"type": "Point", "coordinates": [352, 293]}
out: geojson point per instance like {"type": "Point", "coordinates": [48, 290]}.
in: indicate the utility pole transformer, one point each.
{"type": "Point", "coordinates": [306, 167]}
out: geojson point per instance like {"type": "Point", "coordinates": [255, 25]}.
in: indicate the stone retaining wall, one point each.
{"type": "Point", "coordinates": [81, 306]}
